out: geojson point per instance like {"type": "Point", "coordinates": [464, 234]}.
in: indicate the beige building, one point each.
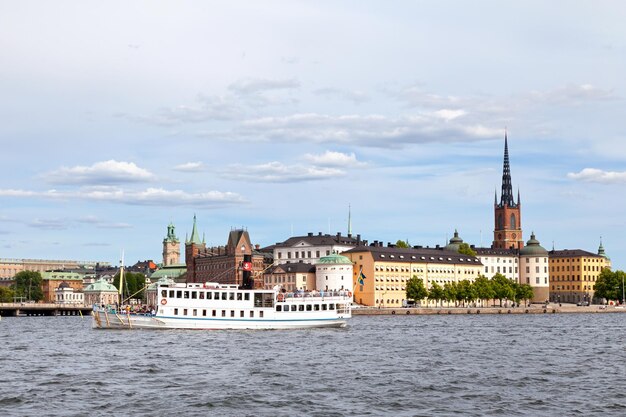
{"type": "Point", "coordinates": [386, 271]}
{"type": "Point", "coordinates": [573, 274]}
{"type": "Point", "coordinates": [533, 260]}
{"type": "Point", "coordinates": [291, 277]}
{"type": "Point", "coordinates": [101, 292]}
{"type": "Point", "coordinates": [52, 280]}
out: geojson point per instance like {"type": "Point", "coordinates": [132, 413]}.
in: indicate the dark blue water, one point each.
{"type": "Point", "coordinates": [475, 365]}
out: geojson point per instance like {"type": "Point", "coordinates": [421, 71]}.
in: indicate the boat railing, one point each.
{"type": "Point", "coordinates": [313, 295]}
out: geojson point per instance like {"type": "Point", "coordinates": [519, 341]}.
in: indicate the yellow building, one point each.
{"type": "Point", "coordinates": [573, 274]}
{"type": "Point", "coordinates": [387, 270]}
{"type": "Point", "coordinates": [292, 276]}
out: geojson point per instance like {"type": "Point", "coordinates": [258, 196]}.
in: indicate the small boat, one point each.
{"type": "Point", "coordinates": [213, 306]}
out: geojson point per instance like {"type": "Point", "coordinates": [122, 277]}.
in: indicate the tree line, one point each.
{"type": "Point", "coordinates": [610, 285]}
{"type": "Point", "coordinates": [464, 292]}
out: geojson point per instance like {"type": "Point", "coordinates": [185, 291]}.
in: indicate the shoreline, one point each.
{"type": "Point", "coordinates": [533, 309]}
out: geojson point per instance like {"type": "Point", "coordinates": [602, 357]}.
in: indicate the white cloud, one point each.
{"type": "Point", "coordinates": [101, 224]}
{"type": "Point", "coordinates": [190, 167]}
{"type": "Point", "coordinates": [49, 224]}
{"type": "Point", "coordinates": [257, 85]}
{"type": "Point", "coordinates": [150, 196]}
{"type": "Point", "coordinates": [280, 173]}
{"type": "Point", "coordinates": [355, 96]}
{"type": "Point", "coordinates": [334, 159]}
{"type": "Point", "coordinates": [599, 176]}
{"type": "Point", "coordinates": [448, 114]}
{"type": "Point", "coordinates": [106, 172]}
{"type": "Point", "coordinates": [572, 94]}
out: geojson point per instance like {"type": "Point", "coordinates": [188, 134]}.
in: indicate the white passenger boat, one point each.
{"type": "Point", "coordinates": [212, 306]}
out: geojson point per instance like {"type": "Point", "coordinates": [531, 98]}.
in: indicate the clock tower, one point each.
{"type": "Point", "coordinates": [507, 233]}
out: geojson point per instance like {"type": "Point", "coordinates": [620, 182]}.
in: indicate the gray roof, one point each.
{"type": "Point", "coordinates": [496, 252]}
{"type": "Point", "coordinates": [429, 255]}
{"type": "Point", "coordinates": [570, 253]}
{"type": "Point", "coordinates": [319, 240]}
{"type": "Point", "coordinates": [297, 267]}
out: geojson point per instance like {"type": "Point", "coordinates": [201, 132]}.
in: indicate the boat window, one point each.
{"type": "Point", "coordinates": [294, 307]}
{"type": "Point", "coordinates": [223, 313]}
{"type": "Point", "coordinates": [216, 295]}
{"type": "Point", "coordinates": [251, 313]}
{"type": "Point", "coordinates": [163, 293]}
{"type": "Point", "coordinates": [171, 293]}
{"type": "Point", "coordinates": [176, 312]}
{"type": "Point", "coordinates": [316, 307]}
{"type": "Point", "coordinates": [324, 307]}
{"type": "Point", "coordinates": [241, 313]}
{"type": "Point", "coordinates": [260, 314]}
{"type": "Point", "coordinates": [301, 307]}
{"type": "Point", "coordinates": [209, 295]}
{"type": "Point", "coordinates": [238, 296]}
{"type": "Point", "coordinates": [194, 295]}
{"type": "Point", "coordinates": [186, 294]}
{"type": "Point", "coordinates": [184, 312]}
{"type": "Point", "coordinates": [231, 295]}
{"type": "Point", "coordinates": [279, 308]}
{"type": "Point", "coordinates": [201, 295]}
{"type": "Point", "coordinates": [214, 313]}
{"type": "Point", "coordinates": [232, 313]}
{"type": "Point", "coordinates": [195, 312]}
{"type": "Point", "coordinates": [179, 294]}
{"type": "Point", "coordinates": [331, 306]}
{"type": "Point", "coordinates": [308, 307]}
{"type": "Point", "coordinates": [246, 296]}
{"type": "Point", "coordinates": [203, 313]}
{"type": "Point", "coordinates": [224, 295]}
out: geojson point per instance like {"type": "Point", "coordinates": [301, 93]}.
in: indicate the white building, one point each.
{"type": "Point", "coordinates": [310, 248]}
{"type": "Point", "coordinates": [333, 272]}
{"type": "Point", "coordinates": [534, 269]}
{"type": "Point", "coordinates": [64, 294]}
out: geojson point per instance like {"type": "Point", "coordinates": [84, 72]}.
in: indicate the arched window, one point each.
{"type": "Point", "coordinates": [513, 226]}
{"type": "Point", "coordinates": [500, 222]}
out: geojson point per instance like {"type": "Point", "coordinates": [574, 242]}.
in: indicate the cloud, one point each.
{"type": "Point", "coordinates": [259, 85]}
{"type": "Point", "coordinates": [334, 159]}
{"type": "Point", "coordinates": [48, 224]}
{"type": "Point", "coordinates": [106, 172]}
{"type": "Point", "coordinates": [277, 172]}
{"type": "Point", "coordinates": [572, 94]}
{"type": "Point", "coordinates": [598, 176]}
{"type": "Point", "coordinates": [369, 130]}
{"type": "Point", "coordinates": [355, 96]}
{"type": "Point", "coordinates": [101, 224]}
{"type": "Point", "coordinates": [148, 197]}
{"type": "Point", "coordinates": [190, 167]}
{"type": "Point", "coordinates": [96, 244]}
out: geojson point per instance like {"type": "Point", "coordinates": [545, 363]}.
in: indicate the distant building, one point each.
{"type": "Point", "coordinates": [507, 233]}
{"type": "Point", "coordinates": [10, 267]}
{"type": "Point", "coordinates": [171, 247]}
{"type": "Point", "coordinates": [533, 261]}
{"type": "Point", "coordinates": [53, 279]}
{"type": "Point", "coordinates": [101, 292]}
{"type": "Point", "coordinates": [574, 272]}
{"type": "Point", "coordinates": [334, 272]}
{"type": "Point", "coordinates": [65, 294]}
{"type": "Point", "coordinates": [310, 248]}
{"type": "Point", "coordinates": [291, 276]}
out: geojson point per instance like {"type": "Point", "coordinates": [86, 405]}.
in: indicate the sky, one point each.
{"type": "Point", "coordinates": [119, 117]}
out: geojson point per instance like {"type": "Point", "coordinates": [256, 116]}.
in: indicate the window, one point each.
{"type": "Point", "coordinates": [186, 294]}
{"type": "Point", "coordinates": [251, 313]}
{"type": "Point", "coordinates": [241, 313]}
{"type": "Point", "coordinates": [184, 312]}
{"type": "Point", "coordinates": [232, 313]}
{"type": "Point", "coordinates": [223, 313]}
{"type": "Point", "coordinates": [238, 296]}
{"type": "Point", "coordinates": [316, 307]}
{"type": "Point", "coordinates": [179, 294]}
{"type": "Point", "coordinates": [176, 312]}
{"type": "Point", "coordinates": [163, 293]}
{"type": "Point", "coordinates": [209, 295]}
{"type": "Point", "coordinates": [194, 295]}
{"type": "Point", "coordinates": [231, 295]}
{"type": "Point", "coordinates": [224, 295]}
{"type": "Point", "coordinates": [246, 296]}
{"type": "Point", "coordinates": [260, 314]}
{"type": "Point", "coordinates": [195, 312]}
{"type": "Point", "coordinates": [214, 313]}
{"type": "Point", "coordinates": [300, 307]}
{"type": "Point", "coordinates": [331, 306]}
{"type": "Point", "coordinates": [309, 307]}
{"type": "Point", "coordinates": [203, 313]}
{"type": "Point", "coordinates": [528, 270]}
{"type": "Point", "coordinates": [171, 293]}
{"type": "Point", "coordinates": [279, 307]}
{"type": "Point", "coordinates": [201, 295]}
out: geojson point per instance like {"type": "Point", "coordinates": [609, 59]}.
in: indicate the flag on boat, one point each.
{"type": "Point", "coordinates": [361, 278]}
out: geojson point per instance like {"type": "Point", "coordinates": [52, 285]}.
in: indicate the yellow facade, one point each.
{"type": "Point", "coordinates": [387, 271]}
{"type": "Point", "coordinates": [573, 275]}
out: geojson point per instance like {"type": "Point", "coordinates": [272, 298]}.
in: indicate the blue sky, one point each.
{"type": "Point", "coordinates": [119, 117]}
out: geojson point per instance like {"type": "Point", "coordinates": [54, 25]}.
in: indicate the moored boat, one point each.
{"type": "Point", "coordinates": [212, 306]}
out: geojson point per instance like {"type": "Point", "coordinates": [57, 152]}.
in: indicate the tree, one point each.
{"type": "Point", "coordinates": [6, 295]}
{"type": "Point", "coordinates": [466, 249]}
{"type": "Point", "coordinates": [436, 292]}
{"type": "Point", "coordinates": [402, 244]}
{"type": "Point", "coordinates": [134, 284]}
{"type": "Point", "coordinates": [502, 288]}
{"type": "Point", "coordinates": [524, 292]}
{"type": "Point", "coordinates": [449, 291]}
{"type": "Point", "coordinates": [609, 285]}
{"type": "Point", "coordinates": [465, 292]}
{"type": "Point", "coordinates": [484, 289]}
{"type": "Point", "coordinates": [28, 284]}
{"type": "Point", "coordinates": [415, 289]}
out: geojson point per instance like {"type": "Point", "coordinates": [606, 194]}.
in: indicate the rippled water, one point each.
{"type": "Point", "coordinates": [475, 365]}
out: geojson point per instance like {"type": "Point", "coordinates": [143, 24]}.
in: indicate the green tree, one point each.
{"type": "Point", "coordinates": [28, 284]}
{"type": "Point", "coordinates": [402, 244]}
{"type": "Point", "coordinates": [436, 293]}
{"type": "Point", "coordinates": [466, 249]}
{"type": "Point", "coordinates": [524, 292]}
{"type": "Point", "coordinates": [415, 289]}
{"type": "Point", "coordinates": [502, 287]}
{"type": "Point", "coordinates": [465, 292]}
{"type": "Point", "coordinates": [609, 285]}
{"type": "Point", "coordinates": [6, 295]}
{"type": "Point", "coordinates": [484, 289]}
{"type": "Point", "coordinates": [449, 291]}
{"type": "Point", "coordinates": [134, 284]}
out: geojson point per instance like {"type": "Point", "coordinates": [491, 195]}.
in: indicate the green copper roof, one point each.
{"type": "Point", "coordinates": [455, 242]}
{"type": "Point", "coordinates": [195, 237]}
{"type": "Point", "coordinates": [171, 235]}
{"type": "Point", "coordinates": [601, 251]}
{"type": "Point", "coordinates": [170, 271]}
{"type": "Point", "coordinates": [334, 258]}
{"type": "Point", "coordinates": [101, 286]}
{"type": "Point", "coordinates": [533, 248]}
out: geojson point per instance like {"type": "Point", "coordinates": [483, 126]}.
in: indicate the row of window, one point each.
{"type": "Point", "coordinates": [573, 278]}
{"type": "Point", "coordinates": [302, 254]}
{"type": "Point", "coordinates": [574, 288]}
{"type": "Point", "coordinates": [585, 268]}
{"type": "Point", "coordinates": [497, 260]}
{"type": "Point", "coordinates": [306, 307]}
{"type": "Point", "coordinates": [537, 280]}
{"type": "Point", "coordinates": [498, 270]}
{"type": "Point", "coordinates": [209, 295]}
{"type": "Point", "coordinates": [214, 313]}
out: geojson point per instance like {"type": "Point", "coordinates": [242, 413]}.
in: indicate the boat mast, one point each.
{"type": "Point", "coordinates": [120, 290]}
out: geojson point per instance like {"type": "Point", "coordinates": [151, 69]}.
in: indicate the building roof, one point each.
{"type": "Point", "coordinates": [320, 240]}
{"type": "Point", "coordinates": [61, 275]}
{"type": "Point", "coordinates": [455, 242]}
{"type": "Point", "coordinates": [334, 258]}
{"type": "Point", "coordinates": [195, 237]}
{"type": "Point", "coordinates": [416, 255]}
{"type": "Point", "coordinates": [170, 271]}
{"type": "Point", "coordinates": [297, 267]}
{"type": "Point", "coordinates": [101, 286]}
{"type": "Point", "coordinates": [533, 248]}
{"type": "Point", "coordinates": [496, 252]}
{"type": "Point", "coordinates": [572, 253]}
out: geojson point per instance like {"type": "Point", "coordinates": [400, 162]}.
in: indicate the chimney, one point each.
{"type": "Point", "coordinates": [310, 234]}
{"type": "Point", "coordinates": [338, 234]}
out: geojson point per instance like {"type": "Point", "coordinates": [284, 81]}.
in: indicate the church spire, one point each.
{"type": "Point", "coordinates": [506, 199]}
{"type": "Point", "coordinates": [349, 220]}
{"type": "Point", "coordinates": [195, 238]}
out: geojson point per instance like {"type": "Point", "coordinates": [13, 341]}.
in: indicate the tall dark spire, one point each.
{"type": "Point", "coordinates": [507, 189]}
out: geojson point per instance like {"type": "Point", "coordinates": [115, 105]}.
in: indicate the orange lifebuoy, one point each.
{"type": "Point", "coordinates": [280, 297]}
{"type": "Point", "coordinates": [163, 301]}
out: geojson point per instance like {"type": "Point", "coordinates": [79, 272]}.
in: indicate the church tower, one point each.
{"type": "Point", "coordinates": [171, 247]}
{"type": "Point", "coordinates": [193, 247]}
{"type": "Point", "coordinates": [507, 233]}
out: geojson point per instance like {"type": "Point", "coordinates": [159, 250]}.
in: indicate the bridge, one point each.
{"type": "Point", "coordinates": [43, 309]}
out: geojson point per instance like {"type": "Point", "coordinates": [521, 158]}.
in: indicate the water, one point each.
{"type": "Point", "coordinates": [475, 365]}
